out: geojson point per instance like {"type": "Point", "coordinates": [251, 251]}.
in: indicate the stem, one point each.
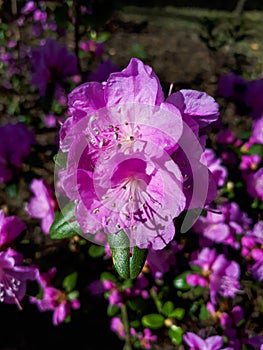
{"type": "Point", "coordinates": [156, 300]}
{"type": "Point", "coordinates": [239, 7]}
{"type": "Point", "coordinates": [124, 314]}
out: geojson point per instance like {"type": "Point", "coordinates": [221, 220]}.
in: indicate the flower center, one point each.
{"type": "Point", "coordinates": [9, 286]}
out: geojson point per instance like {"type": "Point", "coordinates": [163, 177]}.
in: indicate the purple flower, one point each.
{"type": "Point", "coordinates": [29, 7]}
{"type": "Point", "coordinates": [223, 227]}
{"type": "Point", "coordinates": [103, 71]}
{"type": "Point", "coordinates": [160, 261]}
{"type": "Point", "coordinates": [117, 327]}
{"type": "Point", "coordinates": [54, 299]}
{"type": "Point", "coordinates": [91, 47]}
{"type": "Point", "coordinates": [232, 86]}
{"type": "Point", "coordinates": [42, 205]}
{"type": "Point", "coordinates": [222, 275]}
{"type": "Point", "coordinates": [125, 126]}
{"type": "Point", "coordinates": [254, 182]}
{"type": "Point", "coordinates": [250, 162]}
{"type": "Point", "coordinates": [136, 192]}
{"type": "Point", "coordinates": [257, 131]}
{"type": "Point", "coordinates": [147, 338]}
{"type": "Point", "coordinates": [253, 98]}
{"type": "Point", "coordinates": [197, 343]}
{"type": "Point", "coordinates": [13, 277]}
{"type": "Point", "coordinates": [226, 137]}
{"type": "Point", "coordinates": [11, 156]}
{"type": "Point", "coordinates": [197, 105]}
{"type": "Point", "coordinates": [10, 228]}
{"type": "Point", "coordinates": [214, 165]}
{"type": "Point", "coordinates": [52, 63]}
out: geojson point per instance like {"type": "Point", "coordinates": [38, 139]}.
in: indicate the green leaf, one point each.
{"type": "Point", "coordinates": [177, 313]}
{"type": "Point", "coordinates": [73, 295]}
{"type": "Point", "coordinates": [65, 224]}
{"type": "Point", "coordinates": [168, 308]}
{"type": "Point", "coordinates": [70, 281]}
{"type": "Point", "coordinates": [153, 321]}
{"type": "Point", "coordinates": [107, 276]}
{"type": "Point", "coordinates": [180, 281]}
{"type": "Point", "coordinates": [204, 313]}
{"type": "Point", "coordinates": [60, 159]}
{"type": "Point", "coordinates": [96, 251]}
{"type": "Point", "coordinates": [255, 149]}
{"type": "Point", "coordinates": [136, 304]}
{"type": "Point", "coordinates": [128, 261]}
{"type": "Point", "coordinates": [112, 310]}
{"type": "Point", "coordinates": [176, 334]}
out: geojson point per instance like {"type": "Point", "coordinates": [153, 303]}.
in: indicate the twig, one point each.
{"type": "Point", "coordinates": [239, 7]}
{"type": "Point", "coordinates": [124, 314]}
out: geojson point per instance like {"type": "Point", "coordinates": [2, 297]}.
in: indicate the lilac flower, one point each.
{"type": "Point", "coordinates": [252, 250]}
{"type": "Point", "coordinates": [11, 156]}
{"type": "Point", "coordinates": [124, 125]}
{"type": "Point", "coordinates": [221, 274]}
{"type": "Point", "coordinates": [213, 163]}
{"type": "Point", "coordinates": [198, 110]}
{"type": "Point", "coordinates": [52, 63]}
{"type": "Point", "coordinates": [147, 338]}
{"type": "Point", "coordinates": [253, 98]}
{"type": "Point", "coordinates": [196, 105]}
{"type": "Point", "coordinates": [103, 71]}
{"type": "Point", "coordinates": [54, 299]}
{"type": "Point", "coordinates": [232, 86]}
{"type": "Point", "coordinates": [160, 261]}
{"type": "Point", "coordinates": [117, 327]}
{"type": "Point", "coordinates": [10, 228]}
{"type": "Point", "coordinates": [42, 205]}
{"type": "Point", "coordinates": [13, 277]}
{"type": "Point", "coordinates": [141, 176]}
{"type": "Point", "coordinates": [91, 47]}
{"type": "Point", "coordinates": [257, 131]}
{"type": "Point", "coordinates": [223, 227]}
{"type": "Point", "coordinates": [250, 162]}
{"type": "Point", "coordinates": [226, 137]}
{"type": "Point", "coordinates": [197, 343]}
{"type": "Point", "coordinates": [254, 182]}
{"type": "Point", "coordinates": [29, 7]}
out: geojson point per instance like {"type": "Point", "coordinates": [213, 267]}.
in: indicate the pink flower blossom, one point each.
{"type": "Point", "coordinates": [257, 131]}
{"type": "Point", "coordinates": [125, 126]}
{"type": "Point", "coordinates": [10, 228]}
{"type": "Point", "coordinates": [54, 299]}
{"type": "Point", "coordinates": [222, 275]}
{"type": "Point", "coordinates": [254, 182]}
{"type": "Point", "coordinates": [42, 205]}
{"type": "Point", "coordinates": [13, 277]}
{"type": "Point", "coordinates": [214, 165]}
{"type": "Point", "coordinates": [197, 343]}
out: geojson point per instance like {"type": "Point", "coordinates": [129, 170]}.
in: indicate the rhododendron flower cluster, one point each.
{"type": "Point", "coordinates": [223, 226]}
{"type": "Point", "coordinates": [130, 165]}
{"type": "Point", "coordinates": [219, 274]}
{"type": "Point", "coordinates": [54, 299]}
{"type": "Point", "coordinates": [52, 63]}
